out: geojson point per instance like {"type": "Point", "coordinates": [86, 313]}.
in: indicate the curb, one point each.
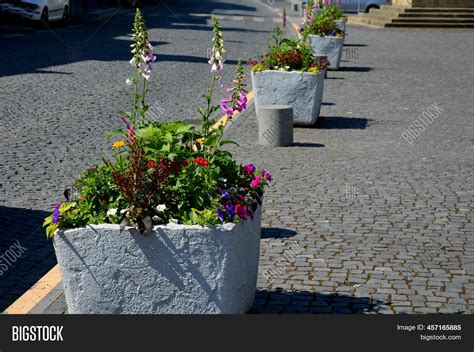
{"type": "Point", "coordinates": [39, 296]}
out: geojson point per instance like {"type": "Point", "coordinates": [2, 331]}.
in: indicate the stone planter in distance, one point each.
{"type": "Point", "coordinates": [303, 91]}
{"type": "Point", "coordinates": [330, 46]}
{"type": "Point", "coordinates": [177, 269]}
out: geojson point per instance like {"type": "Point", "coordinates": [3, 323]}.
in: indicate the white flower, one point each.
{"type": "Point", "coordinates": [123, 211]}
{"type": "Point", "coordinates": [173, 221]}
{"type": "Point", "coordinates": [112, 212]}
{"type": "Point", "coordinates": [132, 61]}
{"type": "Point", "coordinates": [129, 82]}
{"type": "Point", "coordinates": [161, 208]}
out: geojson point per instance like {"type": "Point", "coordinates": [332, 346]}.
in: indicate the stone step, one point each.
{"type": "Point", "coordinates": [379, 17]}
{"type": "Point", "coordinates": [439, 9]}
{"type": "Point", "coordinates": [429, 25]}
{"type": "Point", "coordinates": [437, 14]}
{"type": "Point", "coordinates": [433, 20]}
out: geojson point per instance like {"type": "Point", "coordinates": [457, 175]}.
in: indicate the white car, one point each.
{"type": "Point", "coordinates": [38, 10]}
{"type": "Point", "coordinates": [361, 5]}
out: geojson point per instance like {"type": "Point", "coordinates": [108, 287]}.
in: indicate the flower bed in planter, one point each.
{"type": "Point", "coordinates": [172, 223]}
{"type": "Point", "coordinates": [289, 74]}
{"type": "Point", "coordinates": [326, 31]}
{"type": "Point", "coordinates": [301, 90]}
{"type": "Point", "coordinates": [176, 269]}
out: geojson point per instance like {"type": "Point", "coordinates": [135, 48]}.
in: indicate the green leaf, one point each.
{"type": "Point", "coordinates": [228, 142]}
{"type": "Point", "coordinates": [48, 220]}
{"type": "Point", "coordinates": [115, 132]}
{"type": "Point", "coordinates": [126, 113]}
{"type": "Point", "coordinates": [65, 206]}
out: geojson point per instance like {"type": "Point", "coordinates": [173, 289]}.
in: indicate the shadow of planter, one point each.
{"type": "Point", "coordinates": [305, 302]}
{"type": "Point", "coordinates": [276, 232]}
{"type": "Point", "coordinates": [339, 122]}
{"type": "Point", "coordinates": [25, 252]}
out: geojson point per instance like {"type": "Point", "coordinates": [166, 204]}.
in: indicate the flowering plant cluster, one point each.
{"type": "Point", "coordinates": [168, 172]}
{"type": "Point", "coordinates": [288, 55]}
{"type": "Point", "coordinates": [320, 19]}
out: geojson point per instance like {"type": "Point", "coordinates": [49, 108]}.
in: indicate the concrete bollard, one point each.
{"type": "Point", "coordinates": [275, 125]}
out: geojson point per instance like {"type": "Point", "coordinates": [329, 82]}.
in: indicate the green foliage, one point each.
{"type": "Point", "coordinates": [323, 23]}
{"type": "Point", "coordinates": [168, 172]}
{"type": "Point", "coordinates": [287, 55]}
{"type": "Point", "coordinates": [333, 12]}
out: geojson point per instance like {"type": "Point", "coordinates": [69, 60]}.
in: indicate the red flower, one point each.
{"type": "Point", "coordinates": [241, 211]}
{"type": "Point", "coordinates": [185, 162]}
{"type": "Point", "coordinates": [152, 164]}
{"type": "Point", "coordinates": [201, 161]}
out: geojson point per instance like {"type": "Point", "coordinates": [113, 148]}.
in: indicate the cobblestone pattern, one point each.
{"type": "Point", "coordinates": [357, 213]}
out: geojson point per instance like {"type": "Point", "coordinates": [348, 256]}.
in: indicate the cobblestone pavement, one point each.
{"type": "Point", "coordinates": [61, 90]}
{"type": "Point", "coordinates": [358, 220]}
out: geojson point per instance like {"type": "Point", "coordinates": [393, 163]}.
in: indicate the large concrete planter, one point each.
{"type": "Point", "coordinates": [330, 46]}
{"type": "Point", "coordinates": [177, 269]}
{"type": "Point", "coordinates": [303, 91]}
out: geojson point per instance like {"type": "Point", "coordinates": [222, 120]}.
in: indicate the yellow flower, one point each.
{"type": "Point", "coordinates": [200, 141]}
{"type": "Point", "coordinates": [118, 144]}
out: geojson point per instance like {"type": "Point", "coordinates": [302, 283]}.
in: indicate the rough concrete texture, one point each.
{"type": "Point", "coordinates": [330, 46]}
{"type": "Point", "coordinates": [303, 91]}
{"type": "Point", "coordinates": [177, 269]}
{"type": "Point", "coordinates": [275, 125]}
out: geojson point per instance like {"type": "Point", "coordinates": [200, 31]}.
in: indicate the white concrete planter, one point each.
{"type": "Point", "coordinates": [330, 46]}
{"type": "Point", "coordinates": [177, 269]}
{"type": "Point", "coordinates": [341, 24]}
{"type": "Point", "coordinates": [303, 91]}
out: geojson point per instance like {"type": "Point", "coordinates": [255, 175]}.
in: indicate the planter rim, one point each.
{"type": "Point", "coordinates": [325, 36]}
{"type": "Point", "coordinates": [299, 72]}
{"type": "Point", "coordinates": [228, 226]}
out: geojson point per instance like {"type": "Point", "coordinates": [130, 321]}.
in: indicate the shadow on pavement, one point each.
{"type": "Point", "coordinates": [305, 302]}
{"type": "Point", "coordinates": [101, 40]}
{"type": "Point", "coordinates": [354, 69]}
{"type": "Point", "coordinates": [339, 122]}
{"type": "Point", "coordinates": [308, 145]}
{"type": "Point", "coordinates": [25, 252]}
{"type": "Point", "coordinates": [276, 232]}
{"type": "Point", "coordinates": [355, 45]}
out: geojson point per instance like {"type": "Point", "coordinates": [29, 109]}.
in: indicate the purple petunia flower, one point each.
{"type": "Point", "coordinates": [220, 214]}
{"type": "Point", "coordinates": [230, 209]}
{"type": "Point", "coordinates": [56, 213]}
{"type": "Point", "coordinates": [224, 194]}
